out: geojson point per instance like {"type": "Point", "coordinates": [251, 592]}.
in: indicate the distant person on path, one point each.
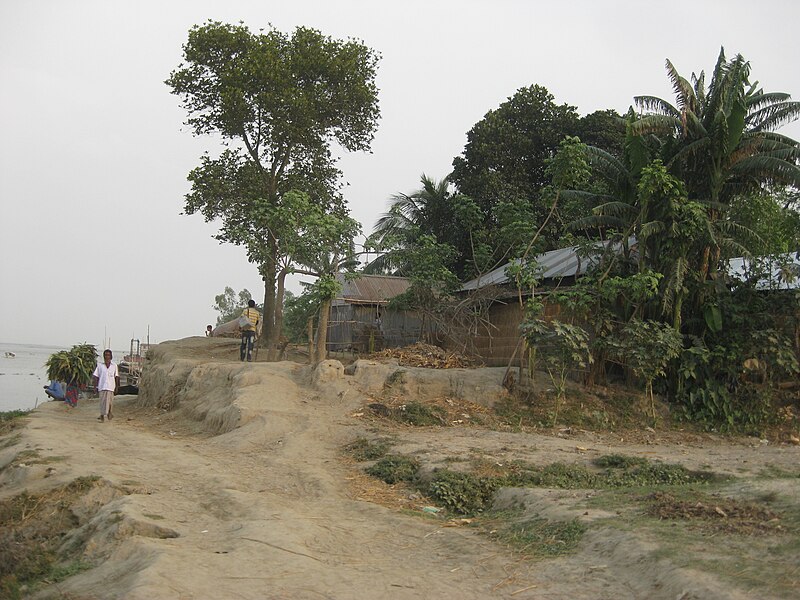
{"type": "Point", "coordinates": [106, 380]}
{"type": "Point", "coordinates": [248, 323]}
{"type": "Point", "coordinates": [209, 331]}
{"type": "Point", "coordinates": [55, 390]}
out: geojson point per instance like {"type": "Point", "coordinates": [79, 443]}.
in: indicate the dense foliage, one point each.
{"type": "Point", "coordinates": [659, 202]}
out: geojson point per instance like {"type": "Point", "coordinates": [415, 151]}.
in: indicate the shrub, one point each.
{"type": "Point", "coordinates": [420, 415]}
{"type": "Point", "coordinates": [541, 537]}
{"type": "Point", "coordinates": [461, 492]}
{"type": "Point", "coordinates": [362, 449]}
{"type": "Point", "coordinates": [393, 469]}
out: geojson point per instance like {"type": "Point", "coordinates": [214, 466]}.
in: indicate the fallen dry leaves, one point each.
{"type": "Point", "coordinates": [427, 356]}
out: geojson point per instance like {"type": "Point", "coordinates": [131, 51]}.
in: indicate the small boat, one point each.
{"type": "Point", "coordinates": [10, 355]}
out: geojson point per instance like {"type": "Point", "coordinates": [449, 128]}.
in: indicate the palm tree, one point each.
{"type": "Point", "coordinates": [721, 141]}
{"type": "Point", "coordinates": [616, 201]}
{"type": "Point", "coordinates": [428, 210]}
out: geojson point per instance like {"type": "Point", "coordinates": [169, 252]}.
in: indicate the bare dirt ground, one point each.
{"type": "Point", "coordinates": [229, 480]}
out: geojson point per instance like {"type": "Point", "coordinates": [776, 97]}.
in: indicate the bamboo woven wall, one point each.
{"type": "Point", "coordinates": [353, 327]}
{"type": "Point", "coordinates": [496, 345]}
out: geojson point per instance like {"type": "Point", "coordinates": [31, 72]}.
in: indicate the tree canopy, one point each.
{"type": "Point", "coordinates": [508, 151]}
{"type": "Point", "coordinates": [279, 102]}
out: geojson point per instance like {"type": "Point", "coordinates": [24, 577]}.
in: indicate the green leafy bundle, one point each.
{"type": "Point", "coordinates": [74, 366]}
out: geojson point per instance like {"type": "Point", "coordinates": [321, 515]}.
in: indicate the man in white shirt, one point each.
{"type": "Point", "coordinates": [106, 380]}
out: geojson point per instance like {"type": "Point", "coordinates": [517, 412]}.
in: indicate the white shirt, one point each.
{"type": "Point", "coordinates": [106, 377]}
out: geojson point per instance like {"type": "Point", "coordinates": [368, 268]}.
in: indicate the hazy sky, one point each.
{"type": "Point", "coordinates": [94, 156]}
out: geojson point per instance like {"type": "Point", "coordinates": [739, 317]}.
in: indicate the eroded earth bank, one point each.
{"type": "Point", "coordinates": [231, 480]}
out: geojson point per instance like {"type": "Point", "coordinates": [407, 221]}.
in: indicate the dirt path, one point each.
{"type": "Point", "coordinates": [271, 519]}
{"type": "Point", "coordinates": [264, 510]}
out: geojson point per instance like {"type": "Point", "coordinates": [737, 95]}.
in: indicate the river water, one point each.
{"type": "Point", "coordinates": [22, 379]}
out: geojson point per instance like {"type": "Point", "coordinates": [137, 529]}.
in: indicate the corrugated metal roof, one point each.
{"type": "Point", "coordinates": [784, 274]}
{"type": "Point", "coordinates": [555, 264]}
{"type": "Point", "coordinates": [371, 289]}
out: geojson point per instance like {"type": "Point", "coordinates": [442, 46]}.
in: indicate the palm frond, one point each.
{"type": "Point", "coordinates": [656, 105]}
{"type": "Point", "coordinates": [734, 231]}
{"type": "Point", "coordinates": [699, 84]}
{"type": "Point", "coordinates": [651, 228]}
{"type": "Point", "coordinates": [730, 248]}
{"type": "Point", "coordinates": [658, 124]}
{"type": "Point", "coordinates": [690, 150]}
{"type": "Point", "coordinates": [616, 209]}
{"type": "Point", "coordinates": [610, 168]}
{"type": "Point", "coordinates": [583, 195]}
{"type": "Point", "coordinates": [684, 91]}
{"type": "Point", "coordinates": [597, 222]}
{"type": "Point", "coordinates": [761, 99]}
{"type": "Point", "coordinates": [773, 169]}
{"type": "Point", "coordinates": [774, 116]}
{"type": "Point", "coordinates": [674, 283]}
{"type": "Point", "coordinates": [386, 263]}
{"type": "Point", "coordinates": [771, 136]}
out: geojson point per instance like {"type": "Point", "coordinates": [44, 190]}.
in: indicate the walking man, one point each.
{"type": "Point", "coordinates": [106, 380]}
{"type": "Point", "coordinates": [248, 323]}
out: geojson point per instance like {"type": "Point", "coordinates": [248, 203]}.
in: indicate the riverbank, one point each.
{"type": "Point", "coordinates": [235, 480]}
{"type": "Point", "coordinates": [23, 377]}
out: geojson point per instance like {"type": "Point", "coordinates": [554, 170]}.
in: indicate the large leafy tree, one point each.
{"type": "Point", "coordinates": [508, 151]}
{"type": "Point", "coordinates": [774, 216]}
{"type": "Point", "coordinates": [278, 102]}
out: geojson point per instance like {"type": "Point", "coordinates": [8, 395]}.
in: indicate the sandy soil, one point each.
{"type": "Point", "coordinates": [231, 483]}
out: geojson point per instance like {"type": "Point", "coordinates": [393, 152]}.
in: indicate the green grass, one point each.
{"type": "Point", "coordinates": [26, 456]}
{"type": "Point", "coordinates": [362, 449]}
{"type": "Point", "coordinates": [397, 377]}
{"type": "Point", "coordinates": [631, 472]}
{"type": "Point", "coordinates": [11, 440]}
{"type": "Point", "coordinates": [420, 415]}
{"type": "Point", "coordinates": [619, 461]}
{"type": "Point", "coordinates": [62, 572]}
{"type": "Point", "coordinates": [540, 537]}
{"type": "Point", "coordinates": [580, 410]}
{"type": "Point", "coordinates": [394, 469]}
{"type": "Point", "coordinates": [461, 493]}
{"type": "Point", "coordinates": [470, 493]}
{"type": "Point", "coordinates": [11, 419]}
{"type": "Point", "coordinates": [33, 457]}
{"type": "Point", "coordinates": [748, 551]}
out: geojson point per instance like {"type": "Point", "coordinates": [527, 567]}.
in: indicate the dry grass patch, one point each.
{"type": "Point", "coordinates": [716, 513]}
{"type": "Point", "coordinates": [32, 528]}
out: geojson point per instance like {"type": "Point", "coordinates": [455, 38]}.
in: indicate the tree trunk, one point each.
{"type": "Point", "coordinates": [310, 326]}
{"type": "Point", "coordinates": [269, 304]}
{"type": "Point", "coordinates": [321, 352]}
{"type": "Point", "coordinates": [275, 334]}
